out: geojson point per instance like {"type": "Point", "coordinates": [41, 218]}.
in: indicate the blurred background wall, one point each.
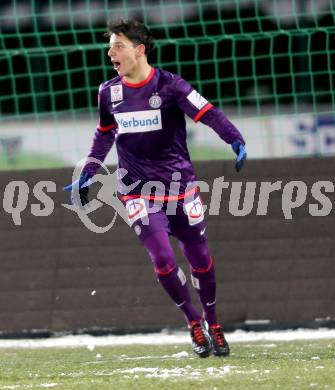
{"type": "Point", "coordinates": [273, 272]}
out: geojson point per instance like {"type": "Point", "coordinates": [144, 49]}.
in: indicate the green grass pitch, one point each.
{"type": "Point", "coordinates": [41, 161]}
{"type": "Point", "coordinates": [30, 161]}
{"type": "Point", "coordinates": [254, 365]}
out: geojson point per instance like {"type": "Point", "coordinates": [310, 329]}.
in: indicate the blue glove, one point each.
{"type": "Point", "coordinates": [82, 184]}
{"type": "Point", "coordinates": [241, 153]}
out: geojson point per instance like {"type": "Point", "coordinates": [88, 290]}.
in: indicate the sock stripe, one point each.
{"type": "Point", "coordinates": [160, 271]}
{"type": "Point", "coordinates": [203, 270]}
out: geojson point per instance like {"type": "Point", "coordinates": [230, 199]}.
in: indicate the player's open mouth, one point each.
{"type": "Point", "coordinates": [116, 65]}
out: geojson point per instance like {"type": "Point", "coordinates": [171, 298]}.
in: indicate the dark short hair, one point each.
{"type": "Point", "coordinates": [134, 30]}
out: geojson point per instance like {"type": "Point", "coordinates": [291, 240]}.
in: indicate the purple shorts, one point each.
{"type": "Point", "coordinates": [183, 219]}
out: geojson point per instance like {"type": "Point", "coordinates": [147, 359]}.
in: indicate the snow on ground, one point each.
{"type": "Point", "coordinates": [163, 337]}
{"type": "Point", "coordinates": [29, 386]}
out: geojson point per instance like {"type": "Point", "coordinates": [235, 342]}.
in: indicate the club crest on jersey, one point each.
{"type": "Point", "coordinates": [116, 93]}
{"type": "Point", "coordinates": [155, 101]}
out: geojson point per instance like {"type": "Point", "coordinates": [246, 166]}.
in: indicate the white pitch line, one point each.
{"type": "Point", "coordinates": [164, 338]}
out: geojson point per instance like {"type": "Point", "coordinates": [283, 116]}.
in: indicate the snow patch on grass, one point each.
{"type": "Point", "coordinates": [163, 338]}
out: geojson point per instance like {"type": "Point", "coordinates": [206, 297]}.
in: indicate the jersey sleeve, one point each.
{"type": "Point", "coordinates": [190, 101]}
{"type": "Point", "coordinates": [225, 129]}
{"type": "Point", "coordinates": [104, 136]}
{"type": "Point", "coordinates": [106, 120]}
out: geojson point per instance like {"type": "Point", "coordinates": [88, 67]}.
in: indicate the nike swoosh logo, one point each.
{"type": "Point", "coordinates": [202, 232]}
{"type": "Point", "coordinates": [210, 303]}
{"type": "Point", "coordinates": [180, 304]}
{"type": "Point", "coordinates": [114, 105]}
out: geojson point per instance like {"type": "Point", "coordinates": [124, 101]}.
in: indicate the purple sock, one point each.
{"type": "Point", "coordinates": [205, 284]}
{"type": "Point", "coordinates": [170, 276]}
{"type": "Point", "coordinates": [203, 277]}
{"type": "Point", "coordinates": [175, 285]}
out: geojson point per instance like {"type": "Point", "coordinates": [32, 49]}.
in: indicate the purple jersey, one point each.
{"type": "Point", "coordinates": [147, 123]}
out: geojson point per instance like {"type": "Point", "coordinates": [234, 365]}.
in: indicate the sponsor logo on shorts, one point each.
{"type": "Point", "coordinates": [136, 210]}
{"type": "Point", "coordinates": [194, 211]}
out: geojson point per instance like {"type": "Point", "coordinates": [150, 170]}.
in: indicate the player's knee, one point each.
{"type": "Point", "coordinates": [166, 271]}
{"type": "Point", "coordinates": [164, 262]}
{"type": "Point", "coordinates": [198, 256]}
{"type": "Point", "coordinates": [206, 266]}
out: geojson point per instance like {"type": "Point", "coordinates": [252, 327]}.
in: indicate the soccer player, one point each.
{"type": "Point", "coordinates": [142, 111]}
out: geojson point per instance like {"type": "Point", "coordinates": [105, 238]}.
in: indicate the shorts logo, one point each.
{"type": "Point", "coordinates": [197, 100]}
{"type": "Point", "coordinates": [138, 121]}
{"type": "Point", "coordinates": [155, 101]}
{"type": "Point", "coordinates": [138, 230]}
{"type": "Point", "coordinates": [136, 210]}
{"type": "Point", "coordinates": [194, 211]}
{"type": "Point", "coordinates": [116, 93]}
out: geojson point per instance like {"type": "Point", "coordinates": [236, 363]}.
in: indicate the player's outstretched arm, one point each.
{"type": "Point", "coordinates": [198, 108]}
{"type": "Point", "coordinates": [226, 130]}
{"type": "Point", "coordinates": [101, 145]}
